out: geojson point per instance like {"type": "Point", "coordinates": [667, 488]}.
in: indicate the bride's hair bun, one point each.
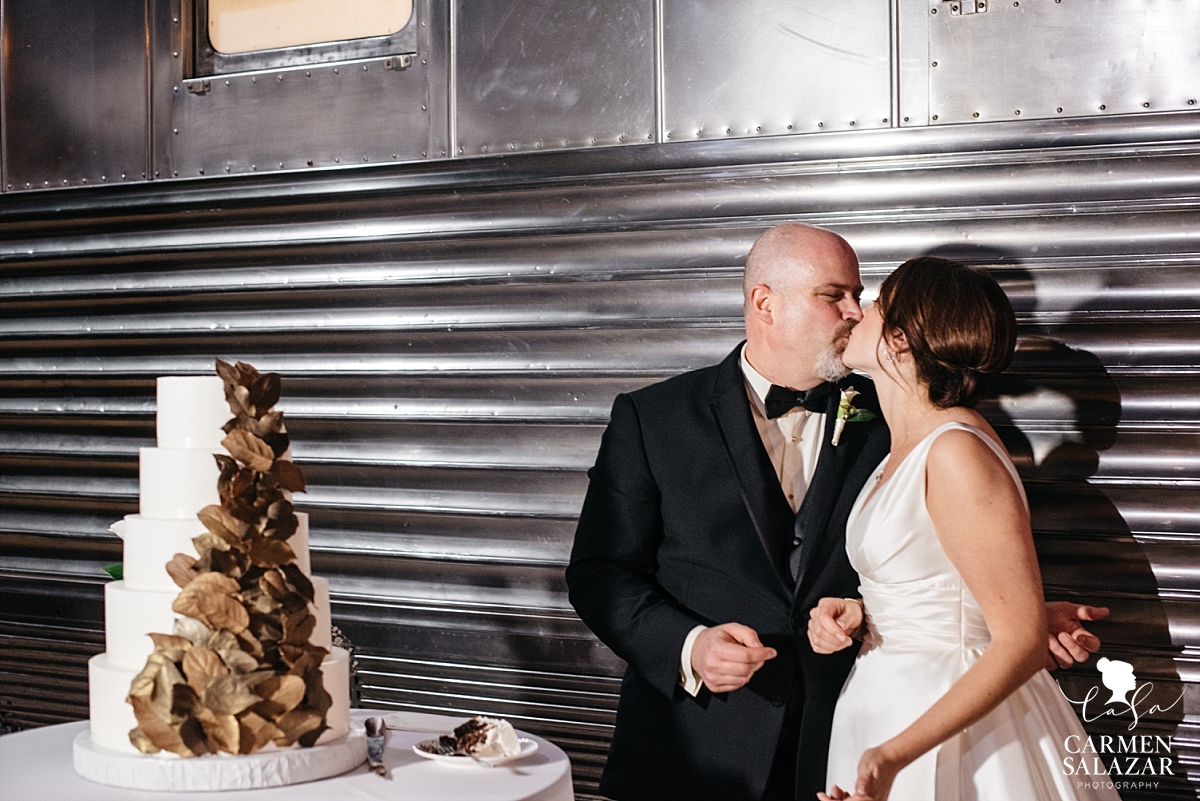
{"type": "Point", "coordinates": [959, 325]}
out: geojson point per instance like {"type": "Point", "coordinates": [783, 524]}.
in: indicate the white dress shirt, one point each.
{"type": "Point", "coordinates": [793, 441]}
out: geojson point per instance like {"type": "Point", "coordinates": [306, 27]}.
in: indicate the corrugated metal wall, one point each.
{"type": "Point", "coordinates": [452, 335]}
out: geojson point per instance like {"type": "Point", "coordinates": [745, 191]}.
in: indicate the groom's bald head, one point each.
{"type": "Point", "coordinates": [801, 289]}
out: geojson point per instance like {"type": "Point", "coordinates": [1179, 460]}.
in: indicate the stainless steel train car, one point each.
{"type": "Point", "coordinates": [460, 228]}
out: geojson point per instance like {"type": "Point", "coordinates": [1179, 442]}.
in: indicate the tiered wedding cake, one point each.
{"type": "Point", "coordinates": [243, 701]}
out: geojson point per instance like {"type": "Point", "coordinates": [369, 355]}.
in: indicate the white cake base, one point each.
{"type": "Point", "coordinates": [112, 719]}
{"type": "Point", "coordinates": [274, 768]}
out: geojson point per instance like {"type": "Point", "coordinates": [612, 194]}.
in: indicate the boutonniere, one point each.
{"type": "Point", "coordinates": [847, 413]}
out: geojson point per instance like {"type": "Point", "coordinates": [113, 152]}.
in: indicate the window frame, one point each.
{"type": "Point", "coordinates": [207, 62]}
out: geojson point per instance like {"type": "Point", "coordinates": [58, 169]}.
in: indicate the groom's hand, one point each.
{"type": "Point", "coordinates": [1070, 642]}
{"type": "Point", "coordinates": [726, 656]}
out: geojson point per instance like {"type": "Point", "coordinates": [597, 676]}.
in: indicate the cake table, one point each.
{"type": "Point", "coordinates": [37, 764]}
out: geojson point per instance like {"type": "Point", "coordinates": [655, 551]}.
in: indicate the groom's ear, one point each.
{"type": "Point", "coordinates": [760, 303]}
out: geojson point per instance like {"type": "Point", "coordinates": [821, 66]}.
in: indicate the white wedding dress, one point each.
{"type": "Point", "coordinates": [925, 631]}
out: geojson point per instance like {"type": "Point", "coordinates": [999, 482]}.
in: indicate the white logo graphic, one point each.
{"type": "Point", "coordinates": [1118, 677]}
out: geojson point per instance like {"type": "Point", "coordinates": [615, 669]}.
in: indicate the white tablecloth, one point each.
{"type": "Point", "coordinates": [35, 765]}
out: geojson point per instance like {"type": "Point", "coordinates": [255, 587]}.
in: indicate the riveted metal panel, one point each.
{"type": "Point", "coordinates": [775, 67]}
{"type": "Point", "coordinates": [75, 93]}
{"type": "Point", "coordinates": [362, 111]}
{"type": "Point", "coordinates": [1049, 58]}
{"type": "Point", "coordinates": [553, 74]}
{"type": "Point", "coordinates": [451, 342]}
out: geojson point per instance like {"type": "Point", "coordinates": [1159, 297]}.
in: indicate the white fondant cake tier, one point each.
{"type": "Point", "coordinates": [130, 615]}
{"type": "Point", "coordinates": [191, 411]}
{"type": "Point", "coordinates": [177, 482]}
{"type": "Point", "coordinates": [152, 542]}
{"type": "Point", "coordinates": [112, 719]}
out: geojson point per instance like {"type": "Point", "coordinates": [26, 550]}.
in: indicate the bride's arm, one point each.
{"type": "Point", "coordinates": [983, 527]}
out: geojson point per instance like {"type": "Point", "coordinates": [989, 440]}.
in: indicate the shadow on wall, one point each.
{"type": "Point", "coordinates": [1057, 408]}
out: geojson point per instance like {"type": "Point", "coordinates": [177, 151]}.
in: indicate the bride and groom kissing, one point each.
{"type": "Point", "coordinates": [804, 613]}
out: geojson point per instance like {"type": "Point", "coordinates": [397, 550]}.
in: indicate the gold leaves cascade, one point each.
{"type": "Point", "coordinates": [238, 672]}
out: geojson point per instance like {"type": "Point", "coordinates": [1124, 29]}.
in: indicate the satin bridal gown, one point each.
{"type": "Point", "coordinates": [925, 630]}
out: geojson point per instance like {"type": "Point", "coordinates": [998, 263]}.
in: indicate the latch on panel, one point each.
{"type": "Point", "coordinates": [968, 6]}
{"type": "Point", "coordinates": [198, 87]}
{"type": "Point", "coordinates": [401, 62]}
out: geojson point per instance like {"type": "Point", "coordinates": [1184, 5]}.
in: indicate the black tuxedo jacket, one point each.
{"type": "Point", "coordinates": [684, 523]}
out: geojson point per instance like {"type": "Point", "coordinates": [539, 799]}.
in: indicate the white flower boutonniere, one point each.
{"type": "Point", "coordinates": [847, 413]}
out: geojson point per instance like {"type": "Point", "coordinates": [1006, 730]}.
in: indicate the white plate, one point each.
{"type": "Point", "coordinates": [527, 747]}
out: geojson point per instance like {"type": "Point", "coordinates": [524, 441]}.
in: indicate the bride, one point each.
{"type": "Point", "coordinates": [949, 699]}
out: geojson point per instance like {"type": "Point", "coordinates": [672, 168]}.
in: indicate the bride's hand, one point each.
{"type": "Point", "coordinates": [831, 623]}
{"type": "Point", "coordinates": [875, 776]}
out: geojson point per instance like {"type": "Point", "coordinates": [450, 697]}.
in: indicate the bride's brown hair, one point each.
{"type": "Point", "coordinates": [959, 325]}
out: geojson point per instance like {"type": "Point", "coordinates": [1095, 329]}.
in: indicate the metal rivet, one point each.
{"type": "Point", "coordinates": [155, 174]}
{"type": "Point", "coordinates": [1015, 3]}
{"type": "Point", "coordinates": [45, 183]}
{"type": "Point", "coordinates": [443, 152]}
{"type": "Point", "coordinates": [511, 146]}
{"type": "Point", "coordinates": [393, 155]}
{"type": "Point", "coordinates": [175, 54]}
{"type": "Point", "coordinates": [175, 89]}
{"type": "Point", "coordinates": [423, 61]}
{"type": "Point", "coordinates": [728, 130]}
{"type": "Point", "coordinates": [175, 20]}
{"type": "Point", "coordinates": [364, 159]}
{"type": "Point", "coordinates": [336, 71]}
{"type": "Point", "coordinates": [226, 168]}
{"type": "Point", "coordinates": [279, 77]}
{"type": "Point", "coordinates": [424, 155]}
{"type": "Point", "coordinates": [202, 171]}
{"type": "Point", "coordinates": [1145, 105]}
{"type": "Point", "coordinates": [310, 161]}
{"type": "Point", "coordinates": [308, 74]}
{"type": "Point", "coordinates": [1102, 107]}
{"type": "Point", "coordinates": [64, 183]}
{"type": "Point", "coordinates": [423, 108]}
{"type": "Point", "coordinates": [254, 79]}
{"type": "Point", "coordinates": [906, 119]}
{"type": "Point", "coordinates": [700, 133]}
{"type": "Point", "coordinates": [789, 127]}
{"type": "Point", "coordinates": [933, 11]}
{"type": "Point", "coordinates": [175, 130]}
{"type": "Point", "coordinates": [281, 164]}
{"type": "Point", "coordinates": [1191, 102]}
{"type": "Point", "coordinates": [820, 125]}
{"type": "Point", "coordinates": [538, 144]}
{"type": "Point", "coordinates": [1059, 109]}
{"type": "Point", "coordinates": [227, 83]}
{"type": "Point", "coordinates": [364, 67]}
{"type": "Point", "coordinates": [758, 127]}
{"type": "Point", "coordinates": [102, 178]}
{"type": "Point", "coordinates": [885, 119]}
{"type": "Point", "coordinates": [935, 63]}
{"type": "Point", "coordinates": [254, 166]}
{"type": "Point", "coordinates": [621, 138]}
{"type": "Point", "coordinates": [975, 114]}
{"type": "Point", "coordinates": [1017, 112]}
{"type": "Point", "coordinates": [935, 116]}
{"type": "Point", "coordinates": [851, 123]}
{"type": "Point", "coordinates": [173, 172]}
{"type": "Point", "coordinates": [668, 136]}
{"type": "Point", "coordinates": [337, 160]}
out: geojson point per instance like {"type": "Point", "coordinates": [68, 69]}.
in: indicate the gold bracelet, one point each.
{"type": "Point", "coordinates": [861, 631]}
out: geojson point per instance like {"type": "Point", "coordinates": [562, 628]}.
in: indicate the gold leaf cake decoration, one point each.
{"type": "Point", "coordinates": [238, 672]}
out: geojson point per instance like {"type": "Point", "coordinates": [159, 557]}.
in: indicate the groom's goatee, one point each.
{"type": "Point", "coordinates": [829, 365]}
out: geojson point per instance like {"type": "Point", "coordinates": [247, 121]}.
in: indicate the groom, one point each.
{"type": "Point", "coordinates": [715, 521]}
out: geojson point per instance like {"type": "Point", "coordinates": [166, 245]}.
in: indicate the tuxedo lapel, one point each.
{"type": "Point", "coordinates": [751, 465]}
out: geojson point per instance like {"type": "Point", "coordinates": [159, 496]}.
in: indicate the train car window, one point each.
{"type": "Point", "coordinates": [231, 36]}
{"type": "Point", "coordinates": [241, 26]}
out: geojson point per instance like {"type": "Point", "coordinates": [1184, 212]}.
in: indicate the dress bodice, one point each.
{"type": "Point", "coordinates": [913, 594]}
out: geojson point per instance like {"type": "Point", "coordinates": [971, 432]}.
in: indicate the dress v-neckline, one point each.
{"type": "Point", "coordinates": [881, 483]}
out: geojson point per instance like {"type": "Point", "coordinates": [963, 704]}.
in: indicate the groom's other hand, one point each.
{"type": "Point", "coordinates": [832, 622]}
{"type": "Point", "coordinates": [1070, 642]}
{"type": "Point", "coordinates": [726, 656]}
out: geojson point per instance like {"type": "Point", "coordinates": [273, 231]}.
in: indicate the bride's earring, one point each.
{"type": "Point", "coordinates": [889, 355]}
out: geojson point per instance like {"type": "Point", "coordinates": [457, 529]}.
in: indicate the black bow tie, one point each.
{"type": "Point", "coordinates": [781, 400]}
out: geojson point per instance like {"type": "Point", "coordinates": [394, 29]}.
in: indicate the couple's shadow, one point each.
{"type": "Point", "coordinates": [1058, 410]}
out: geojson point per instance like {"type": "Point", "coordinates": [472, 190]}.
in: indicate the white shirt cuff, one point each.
{"type": "Point", "coordinates": [687, 677]}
